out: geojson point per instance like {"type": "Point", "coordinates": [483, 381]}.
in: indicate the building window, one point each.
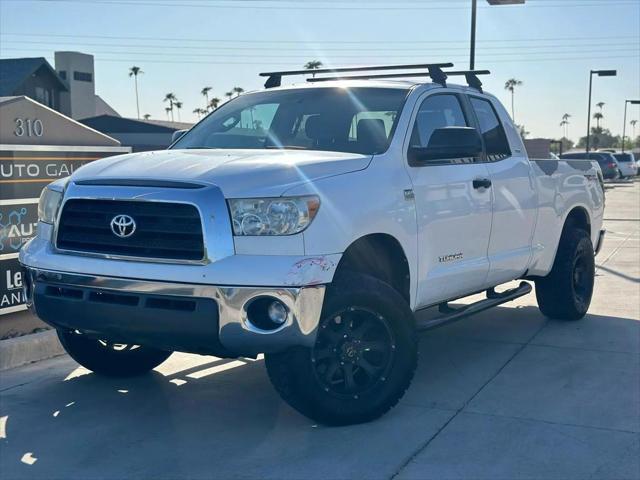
{"type": "Point", "coordinates": [63, 74]}
{"type": "Point", "coordinates": [82, 77]}
{"type": "Point", "coordinates": [43, 96]}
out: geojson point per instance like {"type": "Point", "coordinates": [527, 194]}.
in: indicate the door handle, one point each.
{"type": "Point", "coordinates": [481, 183]}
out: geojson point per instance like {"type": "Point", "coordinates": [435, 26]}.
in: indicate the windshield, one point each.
{"type": "Point", "coordinates": [355, 120]}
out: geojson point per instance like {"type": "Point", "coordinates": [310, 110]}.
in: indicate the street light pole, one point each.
{"type": "Point", "coordinates": [472, 57]}
{"type": "Point", "coordinates": [474, 11]}
{"type": "Point", "coordinates": [600, 73]}
{"type": "Point", "coordinates": [589, 111]}
{"type": "Point", "coordinates": [624, 124]}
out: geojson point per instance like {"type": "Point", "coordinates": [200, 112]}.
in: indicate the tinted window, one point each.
{"type": "Point", "coordinates": [586, 156]}
{"type": "Point", "coordinates": [358, 120]}
{"type": "Point", "coordinates": [437, 111]}
{"type": "Point", "coordinates": [623, 157]}
{"type": "Point", "coordinates": [82, 77]}
{"type": "Point", "coordinates": [495, 139]}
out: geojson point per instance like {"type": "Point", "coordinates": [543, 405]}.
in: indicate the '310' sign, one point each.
{"type": "Point", "coordinates": [26, 127]}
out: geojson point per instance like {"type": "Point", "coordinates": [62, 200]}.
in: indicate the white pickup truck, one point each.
{"type": "Point", "coordinates": [310, 223]}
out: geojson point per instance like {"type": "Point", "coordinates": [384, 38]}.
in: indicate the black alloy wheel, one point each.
{"type": "Point", "coordinates": [353, 353]}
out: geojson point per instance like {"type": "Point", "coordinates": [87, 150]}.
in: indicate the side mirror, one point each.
{"type": "Point", "coordinates": [447, 143]}
{"type": "Point", "coordinates": [177, 134]}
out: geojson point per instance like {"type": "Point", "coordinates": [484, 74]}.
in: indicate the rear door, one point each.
{"type": "Point", "coordinates": [515, 200]}
{"type": "Point", "coordinates": [454, 218]}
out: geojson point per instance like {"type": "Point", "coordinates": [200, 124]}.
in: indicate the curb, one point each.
{"type": "Point", "coordinates": [15, 352]}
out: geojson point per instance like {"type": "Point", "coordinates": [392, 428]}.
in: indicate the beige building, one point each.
{"type": "Point", "coordinates": [37, 146]}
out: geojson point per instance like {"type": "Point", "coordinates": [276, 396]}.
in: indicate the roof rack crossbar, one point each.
{"type": "Point", "coordinates": [470, 75]}
{"type": "Point", "coordinates": [275, 78]}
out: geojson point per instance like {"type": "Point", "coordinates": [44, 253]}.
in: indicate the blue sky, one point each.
{"type": "Point", "coordinates": [184, 45]}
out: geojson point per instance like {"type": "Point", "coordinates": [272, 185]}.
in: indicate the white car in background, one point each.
{"type": "Point", "coordinates": [627, 164]}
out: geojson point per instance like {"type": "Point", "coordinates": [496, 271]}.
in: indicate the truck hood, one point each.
{"type": "Point", "coordinates": [239, 173]}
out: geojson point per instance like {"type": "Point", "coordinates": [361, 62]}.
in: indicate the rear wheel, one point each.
{"type": "Point", "coordinates": [565, 293]}
{"type": "Point", "coordinates": [363, 360]}
{"type": "Point", "coordinates": [110, 359]}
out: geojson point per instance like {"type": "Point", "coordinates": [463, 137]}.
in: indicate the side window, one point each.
{"type": "Point", "coordinates": [436, 111]}
{"type": "Point", "coordinates": [495, 139]}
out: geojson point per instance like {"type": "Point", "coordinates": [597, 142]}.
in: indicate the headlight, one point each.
{"type": "Point", "coordinates": [48, 205]}
{"type": "Point", "coordinates": [272, 216]}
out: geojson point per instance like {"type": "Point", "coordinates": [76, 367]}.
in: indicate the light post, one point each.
{"type": "Point", "coordinates": [600, 73]}
{"type": "Point", "coordinates": [624, 124]}
{"type": "Point", "coordinates": [474, 8]}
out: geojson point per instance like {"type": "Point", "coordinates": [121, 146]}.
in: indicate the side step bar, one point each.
{"type": "Point", "coordinates": [493, 299]}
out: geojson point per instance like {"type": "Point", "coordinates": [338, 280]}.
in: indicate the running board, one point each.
{"type": "Point", "coordinates": [493, 299]}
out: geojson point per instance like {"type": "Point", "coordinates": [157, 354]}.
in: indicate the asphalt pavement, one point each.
{"type": "Point", "coordinates": [504, 395]}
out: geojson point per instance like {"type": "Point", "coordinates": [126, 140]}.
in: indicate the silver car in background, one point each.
{"type": "Point", "coordinates": [627, 164]}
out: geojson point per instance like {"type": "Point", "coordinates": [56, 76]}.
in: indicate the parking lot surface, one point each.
{"type": "Point", "coordinates": [506, 394]}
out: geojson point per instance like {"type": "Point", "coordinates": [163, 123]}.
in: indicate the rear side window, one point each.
{"type": "Point", "coordinates": [495, 139]}
{"type": "Point", "coordinates": [623, 157]}
{"type": "Point", "coordinates": [436, 111]}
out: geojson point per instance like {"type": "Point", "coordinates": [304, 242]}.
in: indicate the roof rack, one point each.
{"type": "Point", "coordinates": [471, 77]}
{"type": "Point", "coordinates": [434, 70]}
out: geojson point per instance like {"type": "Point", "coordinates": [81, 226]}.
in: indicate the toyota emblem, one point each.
{"type": "Point", "coordinates": [123, 226]}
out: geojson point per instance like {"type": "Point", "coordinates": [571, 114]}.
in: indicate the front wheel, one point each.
{"type": "Point", "coordinates": [363, 360]}
{"type": "Point", "coordinates": [565, 293]}
{"type": "Point", "coordinates": [110, 359]}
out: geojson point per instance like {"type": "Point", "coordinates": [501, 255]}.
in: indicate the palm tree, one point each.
{"type": "Point", "coordinates": [146, 116]}
{"type": "Point", "coordinates": [563, 124]}
{"type": "Point", "coordinates": [134, 72]}
{"type": "Point", "coordinates": [167, 110]}
{"type": "Point", "coordinates": [178, 106]}
{"type": "Point", "coordinates": [205, 91]}
{"type": "Point", "coordinates": [313, 65]}
{"type": "Point", "coordinates": [565, 119]}
{"type": "Point", "coordinates": [238, 91]}
{"type": "Point", "coordinates": [171, 98]}
{"type": "Point", "coordinates": [633, 126]}
{"type": "Point", "coordinates": [523, 131]}
{"type": "Point", "coordinates": [511, 85]}
{"type": "Point", "coordinates": [213, 103]}
{"type": "Point", "coordinates": [228, 95]}
{"type": "Point", "coordinates": [198, 111]}
{"type": "Point", "coordinates": [598, 116]}
{"type": "Point", "coordinates": [600, 105]}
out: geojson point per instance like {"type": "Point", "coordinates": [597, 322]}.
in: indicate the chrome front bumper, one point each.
{"type": "Point", "coordinates": [70, 300]}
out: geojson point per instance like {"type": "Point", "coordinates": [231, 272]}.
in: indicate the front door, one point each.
{"type": "Point", "coordinates": [454, 218]}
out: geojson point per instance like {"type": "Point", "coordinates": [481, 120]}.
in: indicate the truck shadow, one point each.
{"type": "Point", "coordinates": [205, 414]}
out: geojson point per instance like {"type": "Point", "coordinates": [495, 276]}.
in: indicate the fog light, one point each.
{"type": "Point", "coordinates": [277, 312]}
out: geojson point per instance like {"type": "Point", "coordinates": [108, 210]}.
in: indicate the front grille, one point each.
{"type": "Point", "coordinates": [169, 231]}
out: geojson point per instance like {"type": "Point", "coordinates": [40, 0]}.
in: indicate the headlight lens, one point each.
{"type": "Point", "coordinates": [272, 216]}
{"type": "Point", "coordinates": [48, 205]}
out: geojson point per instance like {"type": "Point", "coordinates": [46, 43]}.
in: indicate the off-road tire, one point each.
{"type": "Point", "coordinates": [108, 359]}
{"type": "Point", "coordinates": [356, 298]}
{"type": "Point", "coordinates": [565, 294]}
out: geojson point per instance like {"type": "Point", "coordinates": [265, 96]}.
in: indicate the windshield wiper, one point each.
{"type": "Point", "coordinates": [282, 147]}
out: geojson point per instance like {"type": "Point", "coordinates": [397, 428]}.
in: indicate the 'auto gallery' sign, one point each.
{"type": "Point", "coordinates": [24, 172]}
{"type": "Point", "coordinates": [37, 146]}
